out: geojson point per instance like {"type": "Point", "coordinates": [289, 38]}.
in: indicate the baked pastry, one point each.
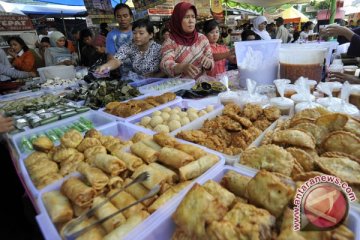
{"type": "Point", "coordinates": [63, 153]}
{"type": "Point", "coordinates": [87, 143]}
{"type": "Point", "coordinates": [93, 133]}
{"type": "Point", "coordinates": [71, 139]}
{"type": "Point", "coordinates": [43, 144]}
{"type": "Point", "coordinates": [294, 138]}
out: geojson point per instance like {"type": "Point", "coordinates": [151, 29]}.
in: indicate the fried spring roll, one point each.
{"type": "Point", "coordinates": [138, 191]}
{"type": "Point", "coordinates": [192, 150]}
{"type": "Point", "coordinates": [107, 163]}
{"type": "Point", "coordinates": [235, 183]}
{"type": "Point", "coordinates": [124, 199]}
{"type": "Point", "coordinates": [58, 206]}
{"type": "Point", "coordinates": [131, 161]}
{"type": "Point", "coordinates": [78, 192]}
{"type": "Point", "coordinates": [198, 167]}
{"type": "Point", "coordinates": [174, 158]}
{"type": "Point", "coordinates": [146, 153]}
{"type": "Point", "coordinates": [151, 143]}
{"type": "Point", "coordinates": [97, 178]}
{"type": "Point", "coordinates": [165, 140]}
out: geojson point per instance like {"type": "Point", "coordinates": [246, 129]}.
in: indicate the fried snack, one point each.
{"type": "Point", "coordinates": [78, 192]}
{"type": "Point", "coordinates": [116, 146]}
{"type": "Point", "coordinates": [197, 209]}
{"type": "Point", "coordinates": [180, 235]}
{"type": "Point", "coordinates": [40, 169]}
{"type": "Point", "coordinates": [267, 191]}
{"type": "Point", "coordinates": [233, 150]}
{"type": "Point", "coordinates": [225, 197]}
{"type": "Point", "coordinates": [269, 157]}
{"type": "Point", "coordinates": [339, 154]}
{"type": "Point", "coordinates": [139, 136]}
{"type": "Point", "coordinates": [344, 142]}
{"type": "Point", "coordinates": [296, 121]}
{"type": "Point", "coordinates": [115, 182]}
{"type": "Point", "coordinates": [312, 113]}
{"type": "Point", "coordinates": [262, 124]}
{"type": "Point", "coordinates": [294, 138]}
{"type": "Point", "coordinates": [303, 158]}
{"type": "Point", "coordinates": [47, 179]}
{"type": "Point", "coordinates": [306, 176]}
{"type": "Point", "coordinates": [138, 191]}
{"type": "Point", "coordinates": [97, 178]}
{"type": "Point", "coordinates": [62, 154]}
{"type": "Point", "coordinates": [121, 231]}
{"type": "Point", "coordinates": [342, 167]}
{"type": "Point", "coordinates": [58, 206]}
{"type": "Point", "coordinates": [71, 139]}
{"type": "Point", "coordinates": [214, 142]}
{"type": "Point", "coordinates": [235, 183]}
{"type": "Point", "coordinates": [245, 122]}
{"type": "Point", "coordinates": [151, 143]}
{"type": "Point", "coordinates": [167, 195]}
{"type": "Point", "coordinates": [144, 152]}
{"type": "Point", "coordinates": [43, 144]}
{"type": "Point", "coordinates": [87, 143]}
{"type": "Point", "coordinates": [131, 161]}
{"type": "Point", "coordinates": [195, 136]}
{"type": "Point", "coordinates": [94, 150]}
{"type": "Point", "coordinates": [267, 139]}
{"type": "Point", "coordinates": [106, 210]}
{"type": "Point", "coordinates": [198, 167]}
{"type": "Point", "coordinates": [287, 231]}
{"type": "Point", "coordinates": [34, 157]}
{"type": "Point", "coordinates": [272, 113]}
{"type": "Point", "coordinates": [165, 140]}
{"type": "Point", "coordinates": [353, 126]}
{"type": "Point", "coordinates": [109, 164]}
{"type": "Point", "coordinates": [170, 176]}
{"type": "Point", "coordinates": [93, 133]}
{"type": "Point", "coordinates": [156, 177]}
{"type": "Point", "coordinates": [192, 150]}
{"type": "Point", "coordinates": [96, 233]}
{"type": "Point", "coordinates": [252, 111]}
{"type": "Point", "coordinates": [250, 222]}
{"type": "Point", "coordinates": [297, 169]}
{"type": "Point", "coordinates": [222, 230]}
{"type": "Point", "coordinates": [124, 199]}
{"type": "Point", "coordinates": [319, 133]}
{"type": "Point", "coordinates": [332, 122]}
{"type": "Point", "coordinates": [174, 158]}
{"type": "Point", "coordinates": [232, 108]}
{"type": "Point", "coordinates": [166, 97]}
{"type": "Point", "coordinates": [342, 232]}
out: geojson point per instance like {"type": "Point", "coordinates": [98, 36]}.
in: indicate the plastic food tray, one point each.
{"type": "Point", "coordinates": [97, 118]}
{"type": "Point", "coordinates": [20, 95]}
{"type": "Point", "coordinates": [198, 123]}
{"type": "Point", "coordinates": [146, 82]}
{"type": "Point", "coordinates": [125, 131]}
{"type": "Point", "coordinates": [186, 84]}
{"type": "Point", "coordinates": [164, 227]}
{"type": "Point", "coordinates": [144, 113]}
{"type": "Point", "coordinates": [182, 104]}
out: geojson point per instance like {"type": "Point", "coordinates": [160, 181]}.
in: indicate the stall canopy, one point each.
{"type": "Point", "coordinates": [76, 2]}
{"type": "Point", "coordinates": [48, 9]}
{"type": "Point", "coordinates": [273, 3]}
{"type": "Point", "coordinates": [290, 15]}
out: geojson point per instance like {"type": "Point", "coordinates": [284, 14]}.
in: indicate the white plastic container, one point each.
{"type": "Point", "coordinates": [300, 60]}
{"type": "Point", "coordinates": [298, 98]}
{"type": "Point", "coordinates": [330, 46]}
{"type": "Point", "coordinates": [125, 131]}
{"type": "Point", "coordinates": [98, 120]}
{"type": "Point", "coordinates": [198, 123]}
{"type": "Point", "coordinates": [61, 71]}
{"type": "Point", "coordinates": [144, 113]}
{"type": "Point", "coordinates": [182, 104]}
{"type": "Point", "coordinates": [164, 227]}
{"type": "Point", "coordinates": [258, 60]}
{"type": "Point", "coordinates": [286, 105]}
{"type": "Point", "coordinates": [163, 86]}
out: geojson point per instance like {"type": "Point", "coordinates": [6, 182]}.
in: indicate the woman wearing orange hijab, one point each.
{"type": "Point", "coordinates": [186, 53]}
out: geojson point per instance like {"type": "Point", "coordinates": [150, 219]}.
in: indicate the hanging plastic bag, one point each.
{"type": "Point", "coordinates": [344, 106]}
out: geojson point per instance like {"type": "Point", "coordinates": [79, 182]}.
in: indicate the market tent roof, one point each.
{"type": "Point", "coordinates": [273, 3]}
{"type": "Point", "coordinates": [50, 9]}
{"type": "Point", "coordinates": [292, 13]}
{"type": "Point", "coordinates": [77, 2]}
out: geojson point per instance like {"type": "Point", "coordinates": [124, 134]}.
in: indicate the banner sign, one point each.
{"type": "Point", "coordinates": [15, 23]}
{"type": "Point", "coordinates": [146, 4]}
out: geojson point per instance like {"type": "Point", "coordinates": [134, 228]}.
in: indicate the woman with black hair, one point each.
{"type": "Point", "coordinates": [143, 52]}
{"type": "Point", "coordinates": [249, 35]}
{"type": "Point", "coordinates": [221, 53]}
{"type": "Point", "coordinates": [23, 59]}
{"type": "Point", "coordinates": [307, 30]}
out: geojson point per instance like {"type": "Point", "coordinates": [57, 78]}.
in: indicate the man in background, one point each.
{"type": "Point", "coordinates": [282, 32]}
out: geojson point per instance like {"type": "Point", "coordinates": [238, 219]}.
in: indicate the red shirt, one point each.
{"type": "Point", "coordinates": [220, 66]}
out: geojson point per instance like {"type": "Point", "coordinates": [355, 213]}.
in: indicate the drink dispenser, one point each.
{"type": "Point", "coordinates": [301, 61]}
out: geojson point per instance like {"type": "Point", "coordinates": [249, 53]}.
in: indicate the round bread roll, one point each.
{"type": "Point", "coordinates": [165, 116]}
{"type": "Point", "coordinates": [202, 113]}
{"type": "Point", "coordinates": [182, 114]}
{"type": "Point", "coordinates": [156, 121]}
{"type": "Point", "coordinates": [192, 116]}
{"type": "Point", "coordinates": [174, 111]}
{"type": "Point", "coordinates": [145, 121]}
{"type": "Point", "coordinates": [191, 110]}
{"type": "Point", "coordinates": [174, 124]}
{"type": "Point", "coordinates": [156, 113]}
{"type": "Point", "coordinates": [167, 109]}
{"type": "Point", "coordinates": [210, 108]}
{"type": "Point", "coordinates": [162, 128]}
{"type": "Point", "coordinates": [178, 109]}
{"type": "Point", "coordinates": [174, 116]}
{"type": "Point", "coordinates": [184, 121]}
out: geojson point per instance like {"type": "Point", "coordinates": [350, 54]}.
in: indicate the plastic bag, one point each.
{"type": "Point", "coordinates": [344, 106]}
{"type": "Point", "coordinates": [286, 105]}
{"type": "Point", "coordinates": [327, 88]}
{"type": "Point", "coordinates": [251, 96]}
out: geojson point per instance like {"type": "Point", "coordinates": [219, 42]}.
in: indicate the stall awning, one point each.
{"type": "Point", "coordinates": [77, 2]}
{"type": "Point", "coordinates": [49, 9]}
{"type": "Point", "coordinates": [273, 3]}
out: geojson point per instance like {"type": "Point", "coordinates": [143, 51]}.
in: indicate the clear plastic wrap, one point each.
{"type": "Point", "coordinates": [251, 96]}
{"type": "Point", "coordinates": [344, 106]}
{"type": "Point", "coordinates": [286, 105]}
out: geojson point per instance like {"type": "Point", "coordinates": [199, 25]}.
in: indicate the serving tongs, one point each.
{"type": "Point", "coordinates": [68, 235]}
